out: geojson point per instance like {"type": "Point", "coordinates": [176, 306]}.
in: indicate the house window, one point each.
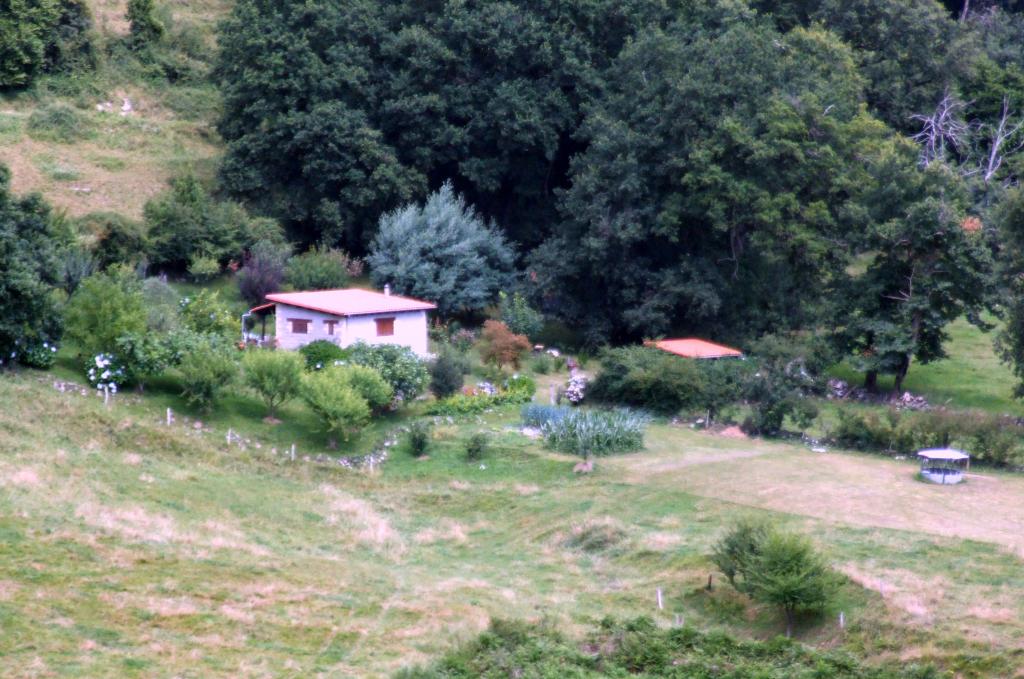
{"type": "Point", "coordinates": [300, 326]}
{"type": "Point", "coordinates": [385, 327]}
{"type": "Point", "coordinates": [329, 326]}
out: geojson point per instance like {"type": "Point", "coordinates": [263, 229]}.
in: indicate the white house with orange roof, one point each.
{"type": "Point", "coordinates": [347, 316]}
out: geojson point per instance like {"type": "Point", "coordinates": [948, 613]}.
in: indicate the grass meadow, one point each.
{"type": "Point", "coordinates": [134, 548]}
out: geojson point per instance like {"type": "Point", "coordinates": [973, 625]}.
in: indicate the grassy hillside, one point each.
{"type": "Point", "coordinates": [114, 160]}
{"type": "Point", "coordinates": [131, 548]}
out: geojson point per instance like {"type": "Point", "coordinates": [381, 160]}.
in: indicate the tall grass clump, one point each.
{"type": "Point", "coordinates": [537, 415]}
{"type": "Point", "coordinates": [60, 123]}
{"type": "Point", "coordinates": [588, 433]}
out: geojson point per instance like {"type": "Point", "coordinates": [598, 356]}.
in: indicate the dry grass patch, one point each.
{"type": "Point", "coordinates": [367, 526]}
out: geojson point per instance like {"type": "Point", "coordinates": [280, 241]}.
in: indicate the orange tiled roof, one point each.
{"type": "Point", "coordinates": [691, 347]}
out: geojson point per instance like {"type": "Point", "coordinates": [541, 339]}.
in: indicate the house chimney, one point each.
{"type": "Point", "coordinates": [387, 289]}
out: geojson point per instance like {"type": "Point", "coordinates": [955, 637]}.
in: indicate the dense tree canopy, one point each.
{"type": "Point", "coordinates": [29, 312]}
{"type": "Point", "coordinates": [726, 167]}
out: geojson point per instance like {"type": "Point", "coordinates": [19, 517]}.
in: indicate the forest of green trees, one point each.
{"type": "Point", "coordinates": [837, 168]}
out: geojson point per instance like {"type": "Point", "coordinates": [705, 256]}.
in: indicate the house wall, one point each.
{"type": "Point", "coordinates": [410, 328]}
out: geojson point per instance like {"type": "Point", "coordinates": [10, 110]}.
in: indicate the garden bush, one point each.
{"type": "Point", "coordinates": [517, 389]}
{"type": "Point", "coordinates": [399, 366]}
{"type": "Point", "coordinates": [341, 410]}
{"type": "Point", "coordinates": [206, 371]}
{"type": "Point", "coordinates": [263, 271]}
{"type": "Point", "coordinates": [418, 440]}
{"type": "Point", "coordinates": [205, 313]}
{"type": "Point", "coordinates": [163, 306]}
{"type": "Point", "coordinates": [203, 268]}
{"type": "Point", "coordinates": [477, 446]}
{"type": "Point", "coordinates": [106, 306]}
{"type": "Point", "coordinates": [321, 354]}
{"type": "Point", "coordinates": [143, 356]}
{"type": "Point", "coordinates": [445, 374]}
{"type": "Point", "coordinates": [367, 382]}
{"type": "Point", "coordinates": [321, 268]}
{"type": "Point", "coordinates": [519, 316]}
{"type": "Point", "coordinates": [115, 238]}
{"type": "Point", "coordinates": [738, 548]}
{"type": "Point", "coordinates": [648, 378]}
{"type": "Point", "coordinates": [640, 647]}
{"type": "Point", "coordinates": [59, 123]}
{"type": "Point", "coordinates": [501, 346]}
{"type": "Point", "coordinates": [276, 376]}
{"type": "Point", "coordinates": [990, 439]}
{"type": "Point", "coordinates": [591, 432]}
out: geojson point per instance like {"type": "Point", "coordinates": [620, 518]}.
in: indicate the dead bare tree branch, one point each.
{"type": "Point", "coordinates": [943, 129]}
{"type": "Point", "coordinates": [1001, 134]}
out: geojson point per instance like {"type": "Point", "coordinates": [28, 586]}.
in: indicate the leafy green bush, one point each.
{"type": "Point", "coordinates": [643, 377]}
{"type": "Point", "coordinates": [477, 446]}
{"type": "Point", "coordinates": [142, 356]}
{"type": "Point", "coordinates": [990, 439]}
{"type": "Point", "coordinates": [788, 573]}
{"type": "Point", "coordinates": [341, 410]}
{"type": "Point", "coordinates": [736, 551]}
{"type": "Point", "coordinates": [541, 364]}
{"type": "Point", "coordinates": [519, 316]}
{"type": "Point", "coordinates": [185, 222]}
{"type": "Point", "coordinates": [320, 268]}
{"type": "Point", "coordinates": [163, 306]}
{"type": "Point", "coordinates": [480, 400]}
{"type": "Point", "coordinates": [116, 239]}
{"type": "Point", "coordinates": [588, 432]}
{"type": "Point", "coordinates": [399, 366]}
{"type": "Point", "coordinates": [145, 28]}
{"type": "Point", "coordinates": [321, 354]}
{"type": "Point", "coordinates": [206, 371]}
{"type": "Point", "coordinates": [203, 269]}
{"type": "Point", "coordinates": [106, 306]}
{"type": "Point", "coordinates": [445, 375]}
{"type": "Point", "coordinates": [640, 647]}
{"type": "Point", "coordinates": [263, 271]}
{"type": "Point", "coordinates": [418, 439]}
{"type": "Point", "coordinates": [275, 376]}
{"type": "Point", "coordinates": [367, 382]}
{"type": "Point", "coordinates": [59, 123]}
{"type": "Point", "coordinates": [519, 389]}
{"type": "Point", "coordinates": [205, 313]}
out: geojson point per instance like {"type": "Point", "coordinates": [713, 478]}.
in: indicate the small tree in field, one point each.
{"type": "Point", "coordinates": [106, 306]}
{"type": "Point", "coordinates": [445, 375]}
{"type": "Point", "coordinates": [780, 569]}
{"type": "Point", "coordinates": [275, 375]}
{"type": "Point", "coordinates": [501, 345]}
{"type": "Point", "coordinates": [367, 382]}
{"type": "Point", "coordinates": [342, 411]}
{"type": "Point", "coordinates": [206, 370]}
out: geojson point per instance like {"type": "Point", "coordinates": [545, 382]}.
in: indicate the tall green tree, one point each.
{"type": "Point", "coordinates": [335, 112]}
{"type": "Point", "coordinates": [923, 267]}
{"type": "Point", "coordinates": [29, 273]}
{"type": "Point", "coordinates": [716, 192]}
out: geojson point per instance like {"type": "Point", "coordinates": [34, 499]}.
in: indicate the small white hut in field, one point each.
{"type": "Point", "coordinates": [347, 316]}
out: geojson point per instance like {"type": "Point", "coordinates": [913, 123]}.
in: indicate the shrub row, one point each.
{"type": "Point", "coordinates": [640, 647]}
{"type": "Point", "coordinates": [997, 440]}
{"type": "Point", "coordinates": [517, 389]}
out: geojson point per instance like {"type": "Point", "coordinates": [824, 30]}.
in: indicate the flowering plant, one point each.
{"type": "Point", "coordinates": [104, 372]}
{"type": "Point", "coordinates": [40, 356]}
{"type": "Point", "coordinates": [576, 389]}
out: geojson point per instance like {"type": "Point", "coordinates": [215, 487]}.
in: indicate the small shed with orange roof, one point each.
{"type": "Point", "coordinates": [691, 347]}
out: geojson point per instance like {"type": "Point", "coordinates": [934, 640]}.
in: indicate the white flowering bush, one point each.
{"type": "Point", "coordinates": [105, 372]}
{"type": "Point", "coordinates": [41, 355]}
{"type": "Point", "coordinates": [576, 390]}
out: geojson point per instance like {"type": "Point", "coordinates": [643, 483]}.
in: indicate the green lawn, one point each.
{"type": "Point", "coordinates": [972, 376]}
{"type": "Point", "coordinates": [130, 548]}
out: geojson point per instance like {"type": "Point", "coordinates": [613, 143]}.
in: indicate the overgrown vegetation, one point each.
{"type": "Point", "coordinates": [590, 432]}
{"type": "Point", "coordinates": [639, 647]}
